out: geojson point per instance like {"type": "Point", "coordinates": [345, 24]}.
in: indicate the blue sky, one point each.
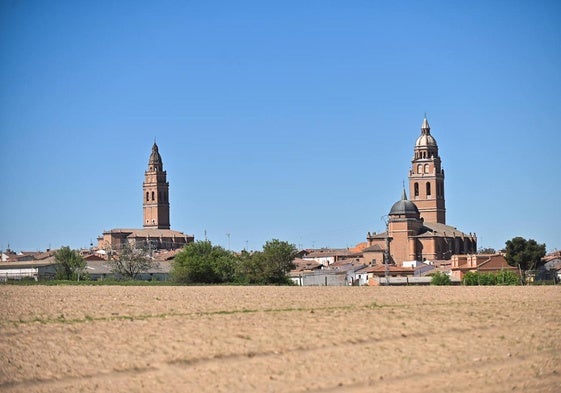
{"type": "Point", "coordinates": [292, 120]}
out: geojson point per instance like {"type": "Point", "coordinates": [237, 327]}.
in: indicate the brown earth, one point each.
{"type": "Point", "coordinates": [280, 339]}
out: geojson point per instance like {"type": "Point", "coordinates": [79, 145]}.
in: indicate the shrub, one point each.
{"type": "Point", "coordinates": [471, 278]}
{"type": "Point", "coordinates": [487, 279]}
{"type": "Point", "coordinates": [506, 277]}
{"type": "Point", "coordinates": [440, 278]}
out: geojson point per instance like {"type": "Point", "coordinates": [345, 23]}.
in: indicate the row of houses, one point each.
{"type": "Point", "coordinates": [350, 267]}
{"type": "Point", "coordinates": [318, 267]}
{"type": "Point", "coordinates": [42, 266]}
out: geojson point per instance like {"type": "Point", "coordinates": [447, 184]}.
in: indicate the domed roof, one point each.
{"type": "Point", "coordinates": [426, 139]}
{"type": "Point", "coordinates": [404, 207]}
{"type": "Point", "coordinates": [155, 158]}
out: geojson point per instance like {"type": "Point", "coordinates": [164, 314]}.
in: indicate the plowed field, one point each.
{"type": "Point", "coordinates": [280, 339]}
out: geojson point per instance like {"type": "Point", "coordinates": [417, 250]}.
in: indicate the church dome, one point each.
{"type": "Point", "coordinates": [155, 160]}
{"type": "Point", "coordinates": [404, 207]}
{"type": "Point", "coordinates": [425, 139]}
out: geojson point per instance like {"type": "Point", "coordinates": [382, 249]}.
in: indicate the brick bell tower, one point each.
{"type": "Point", "coordinates": [156, 191]}
{"type": "Point", "coordinates": [426, 178]}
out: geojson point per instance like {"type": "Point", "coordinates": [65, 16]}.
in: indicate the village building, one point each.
{"type": "Point", "coordinates": [328, 256]}
{"type": "Point", "coordinates": [416, 227]}
{"type": "Point", "coordinates": [41, 266]}
{"type": "Point", "coordinates": [479, 263]}
{"type": "Point", "coordinates": [156, 233]}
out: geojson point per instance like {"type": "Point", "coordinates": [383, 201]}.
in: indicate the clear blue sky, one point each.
{"type": "Point", "coordinates": [291, 119]}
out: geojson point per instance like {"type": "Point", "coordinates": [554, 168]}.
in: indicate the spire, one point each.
{"type": "Point", "coordinates": [425, 128]}
{"type": "Point", "coordinates": [404, 195]}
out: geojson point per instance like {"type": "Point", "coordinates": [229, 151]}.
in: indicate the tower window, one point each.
{"type": "Point", "coordinates": [416, 189]}
{"type": "Point", "coordinates": [419, 168]}
{"type": "Point", "coordinates": [147, 196]}
{"type": "Point", "coordinates": [152, 195]}
{"type": "Point", "coordinates": [426, 168]}
{"type": "Point", "coordinates": [428, 189]}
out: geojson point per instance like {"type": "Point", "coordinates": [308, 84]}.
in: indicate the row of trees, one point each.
{"type": "Point", "coordinates": [199, 262]}
{"type": "Point", "coordinates": [129, 262]}
{"type": "Point", "coordinates": [202, 262]}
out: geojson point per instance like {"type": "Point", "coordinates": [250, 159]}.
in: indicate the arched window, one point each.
{"type": "Point", "coordinates": [428, 190]}
{"type": "Point", "coordinates": [147, 196]}
{"type": "Point", "coordinates": [152, 195]}
{"type": "Point", "coordinates": [416, 190]}
{"type": "Point", "coordinates": [426, 168]}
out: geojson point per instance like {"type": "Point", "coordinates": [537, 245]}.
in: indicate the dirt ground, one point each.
{"type": "Point", "coordinates": [280, 339]}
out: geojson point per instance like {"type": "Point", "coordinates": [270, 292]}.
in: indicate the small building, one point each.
{"type": "Point", "coordinates": [328, 256]}
{"type": "Point", "coordinates": [484, 263]}
{"type": "Point", "coordinates": [34, 270]}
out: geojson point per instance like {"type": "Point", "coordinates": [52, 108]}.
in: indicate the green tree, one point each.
{"type": "Point", "coordinates": [526, 254]}
{"type": "Point", "coordinates": [201, 262]}
{"type": "Point", "coordinates": [250, 268]}
{"type": "Point", "coordinates": [486, 250]}
{"type": "Point", "coordinates": [269, 266]}
{"type": "Point", "coordinates": [440, 278]}
{"type": "Point", "coordinates": [69, 264]}
{"type": "Point", "coordinates": [277, 260]}
{"type": "Point", "coordinates": [132, 260]}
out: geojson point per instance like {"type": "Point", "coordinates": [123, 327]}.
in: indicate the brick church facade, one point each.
{"type": "Point", "coordinates": [156, 233]}
{"type": "Point", "coordinates": [416, 227]}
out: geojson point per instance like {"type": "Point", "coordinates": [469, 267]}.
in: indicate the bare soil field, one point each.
{"type": "Point", "coordinates": [280, 339]}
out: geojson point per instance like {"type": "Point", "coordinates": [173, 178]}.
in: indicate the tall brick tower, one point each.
{"type": "Point", "coordinates": [426, 178]}
{"type": "Point", "coordinates": [156, 191]}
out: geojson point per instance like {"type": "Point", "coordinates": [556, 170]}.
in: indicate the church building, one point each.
{"type": "Point", "coordinates": [416, 227]}
{"type": "Point", "coordinates": [156, 232]}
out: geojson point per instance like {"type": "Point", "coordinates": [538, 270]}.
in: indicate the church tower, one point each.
{"type": "Point", "coordinates": [426, 178]}
{"type": "Point", "coordinates": [155, 195]}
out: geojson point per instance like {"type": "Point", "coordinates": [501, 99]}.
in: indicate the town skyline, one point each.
{"type": "Point", "coordinates": [294, 122]}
